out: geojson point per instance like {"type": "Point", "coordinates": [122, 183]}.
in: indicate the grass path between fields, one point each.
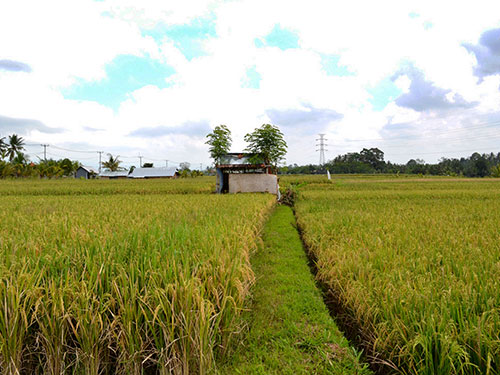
{"type": "Point", "coordinates": [290, 329]}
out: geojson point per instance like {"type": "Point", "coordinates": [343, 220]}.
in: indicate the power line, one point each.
{"type": "Point", "coordinates": [44, 151]}
{"type": "Point", "coordinates": [100, 160]}
{"type": "Point", "coordinates": [81, 151]}
{"type": "Point", "coordinates": [50, 153]}
{"type": "Point", "coordinates": [141, 157]}
{"type": "Point", "coordinates": [447, 152]}
{"type": "Point", "coordinates": [321, 150]}
{"type": "Point", "coordinates": [390, 144]}
{"type": "Point", "coordinates": [433, 135]}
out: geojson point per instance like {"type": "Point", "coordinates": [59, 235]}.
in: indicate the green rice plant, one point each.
{"type": "Point", "coordinates": [415, 264]}
{"type": "Point", "coordinates": [71, 186]}
{"type": "Point", "coordinates": [90, 325]}
{"type": "Point", "coordinates": [109, 282]}
{"type": "Point", "coordinates": [52, 326]}
{"type": "Point", "coordinates": [131, 340]}
{"type": "Point", "coordinates": [18, 297]}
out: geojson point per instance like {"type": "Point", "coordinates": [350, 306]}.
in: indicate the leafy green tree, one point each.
{"type": "Point", "coordinates": [219, 141]}
{"type": "Point", "coordinates": [50, 168]}
{"type": "Point", "coordinates": [67, 166]}
{"type": "Point", "coordinates": [196, 173]}
{"type": "Point", "coordinates": [495, 171]}
{"type": "Point", "coordinates": [112, 164]}
{"type": "Point", "coordinates": [8, 170]}
{"type": "Point", "coordinates": [20, 159]}
{"type": "Point", "coordinates": [373, 157]}
{"type": "Point", "coordinates": [147, 165]}
{"type": "Point", "coordinates": [267, 143]}
{"type": "Point", "coordinates": [481, 165]}
{"type": "Point", "coordinates": [15, 146]}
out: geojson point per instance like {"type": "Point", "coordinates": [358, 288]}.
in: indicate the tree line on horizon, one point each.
{"type": "Point", "coordinates": [15, 163]}
{"type": "Point", "coordinates": [267, 142]}
{"type": "Point", "coordinates": [372, 161]}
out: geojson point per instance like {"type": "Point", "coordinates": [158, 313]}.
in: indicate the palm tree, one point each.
{"type": "Point", "coordinates": [15, 146]}
{"type": "Point", "coordinates": [20, 159]}
{"type": "Point", "coordinates": [3, 148]}
{"type": "Point", "coordinates": [112, 164]}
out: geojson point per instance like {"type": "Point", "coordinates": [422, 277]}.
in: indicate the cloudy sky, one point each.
{"type": "Point", "coordinates": [417, 79]}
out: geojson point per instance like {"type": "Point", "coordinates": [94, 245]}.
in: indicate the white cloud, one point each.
{"type": "Point", "coordinates": [66, 41]}
{"type": "Point", "coordinates": [150, 13]}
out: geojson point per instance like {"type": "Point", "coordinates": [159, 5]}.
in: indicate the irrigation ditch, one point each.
{"type": "Point", "coordinates": [358, 336]}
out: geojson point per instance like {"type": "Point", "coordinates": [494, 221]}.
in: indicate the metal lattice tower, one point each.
{"type": "Point", "coordinates": [321, 149]}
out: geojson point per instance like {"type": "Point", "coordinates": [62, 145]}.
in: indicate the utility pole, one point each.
{"type": "Point", "coordinates": [201, 166]}
{"type": "Point", "coordinates": [321, 149]}
{"type": "Point", "coordinates": [140, 161]}
{"type": "Point", "coordinates": [166, 163]}
{"type": "Point", "coordinates": [45, 151]}
{"type": "Point", "coordinates": [100, 158]}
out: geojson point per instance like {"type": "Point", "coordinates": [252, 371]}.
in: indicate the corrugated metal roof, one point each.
{"type": "Point", "coordinates": [110, 174]}
{"type": "Point", "coordinates": [153, 172]}
{"type": "Point", "coordinates": [236, 158]}
{"type": "Point", "coordinates": [88, 169]}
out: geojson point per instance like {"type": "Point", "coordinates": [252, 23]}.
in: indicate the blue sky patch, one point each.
{"type": "Point", "coordinates": [124, 74]}
{"type": "Point", "coordinates": [252, 78]}
{"type": "Point", "coordinates": [384, 92]}
{"type": "Point", "coordinates": [188, 38]}
{"type": "Point", "coordinates": [279, 37]}
{"type": "Point", "coordinates": [259, 43]}
{"type": "Point", "coordinates": [331, 66]}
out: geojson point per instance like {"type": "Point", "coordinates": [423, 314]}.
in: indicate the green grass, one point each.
{"type": "Point", "coordinates": [290, 329]}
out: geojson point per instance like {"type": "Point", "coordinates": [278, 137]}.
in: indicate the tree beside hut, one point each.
{"type": "Point", "coordinates": [252, 171]}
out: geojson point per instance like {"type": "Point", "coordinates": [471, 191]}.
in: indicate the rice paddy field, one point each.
{"type": "Point", "coordinates": [156, 276]}
{"type": "Point", "coordinates": [70, 186]}
{"type": "Point", "coordinates": [413, 265]}
{"type": "Point", "coordinates": [99, 277]}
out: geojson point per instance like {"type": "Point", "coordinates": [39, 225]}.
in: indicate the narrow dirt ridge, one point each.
{"type": "Point", "coordinates": [290, 330]}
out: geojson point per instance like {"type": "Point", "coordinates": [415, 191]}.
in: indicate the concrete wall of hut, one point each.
{"type": "Point", "coordinates": [253, 183]}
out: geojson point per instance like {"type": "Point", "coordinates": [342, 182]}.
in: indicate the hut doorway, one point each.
{"type": "Point", "coordinates": [225, 182]}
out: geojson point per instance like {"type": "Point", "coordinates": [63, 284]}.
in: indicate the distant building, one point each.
{"type": "Point", "coordinates": [236, 174]}
{"type": "Point", "coordinates": [112, 175]}
{"type": "Point", "coordinates": [154, 173]}
{"type": "Point", "coordinates": [85, 172]}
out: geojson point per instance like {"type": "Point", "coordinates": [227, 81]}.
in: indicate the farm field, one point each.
{"type": "Point", "coordinates": [117, 277]}
{"type": "Point", "coordinates": [71, 186]}
{"type": "Point", "coordinates": [160, 276]}
{"type": "Point", "coordinates": [290, 331]}
{"type": "Point", "coordinates": [412, 265]}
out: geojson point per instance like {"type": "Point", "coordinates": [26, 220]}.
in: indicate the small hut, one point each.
{"type": "Point", "coordinates": [85, 172]}
{"type": "Point", "coordinates": [154, 173]}
{"type": "Point", "coordinates": [240, 173]}
{"type": "Point", "coordinates": [113, 175]}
